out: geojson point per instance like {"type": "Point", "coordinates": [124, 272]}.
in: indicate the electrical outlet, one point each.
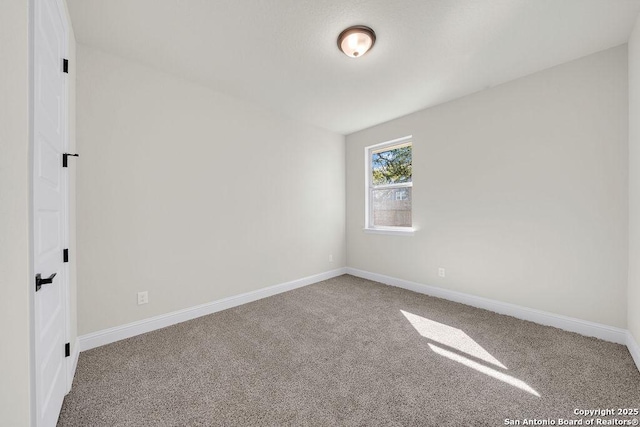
{"type": "Point", "coordinates": [330, 257]}
{"type": "Point", "coordinates": [143, 297]}
{"type": "Point", "coordinates": [441, 272]}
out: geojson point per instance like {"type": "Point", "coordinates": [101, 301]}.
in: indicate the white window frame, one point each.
{"type": "Point", "coordinates": [369, 187]}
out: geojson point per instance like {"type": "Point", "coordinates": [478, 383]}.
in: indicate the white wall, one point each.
{"type": "Point", "coordinates": [520, 192]}
{"type": "Point", "coordinates": [192, 195]}
{"type": "Point", "coordinates": [633, 320]}
{"type": "Point", "coordinates": [14, 216]}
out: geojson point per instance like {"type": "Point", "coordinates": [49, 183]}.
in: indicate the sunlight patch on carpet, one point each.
{"type": "Point", "coordinates": [452, 337]}
{"type": "Point", "coordinates": [484, 369]}
{"type": "Point", "coordinates": [456, 339]}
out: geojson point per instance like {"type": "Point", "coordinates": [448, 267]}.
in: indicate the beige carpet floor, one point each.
{"type": "Point", "coordinates": [348, 351]}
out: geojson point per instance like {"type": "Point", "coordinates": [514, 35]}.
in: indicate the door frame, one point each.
{"type": "Point", "coordinates": [66, 204]}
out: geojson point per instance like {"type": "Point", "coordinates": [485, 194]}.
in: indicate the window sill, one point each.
{"type": "Point", "coordinates": [404, 231]}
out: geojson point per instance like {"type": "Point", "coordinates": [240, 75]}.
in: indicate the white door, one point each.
{"type": "Point", "coordinates": [49, 207]}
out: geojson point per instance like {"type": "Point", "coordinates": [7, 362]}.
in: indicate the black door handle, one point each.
{"type": "Point", "coordinates": [40, 281]}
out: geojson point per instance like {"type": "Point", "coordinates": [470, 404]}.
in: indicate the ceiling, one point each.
{"type": "Point", "coordinates": [282, 54]}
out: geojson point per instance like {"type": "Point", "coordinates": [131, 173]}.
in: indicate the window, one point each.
{"type": "Point", "coordinates": [389, 184]}
{"type": "Point", "coordinates": [401, 195]}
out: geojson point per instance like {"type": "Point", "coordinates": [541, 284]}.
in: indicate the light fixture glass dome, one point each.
{"type": "Point", "coordinates": [356, 41]}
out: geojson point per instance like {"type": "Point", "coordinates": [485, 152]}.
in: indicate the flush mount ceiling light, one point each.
{"type": "Point", "coordinates": [356, 41]}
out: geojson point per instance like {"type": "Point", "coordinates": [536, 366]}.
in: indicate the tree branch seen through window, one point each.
{"type": "Point", "coordinates": [392, 166]}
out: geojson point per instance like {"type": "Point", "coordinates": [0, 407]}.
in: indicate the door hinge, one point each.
{"type": "Point", "coordinates": [65, 156]}
{"type": "Point", "coordinates": [67, 350]}
{"type": "Point", "coordinates": [65, 255]}
{"type": "Point", "coordinates": [65, 66]}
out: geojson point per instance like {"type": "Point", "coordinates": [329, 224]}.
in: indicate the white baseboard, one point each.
{"type": "Point", "coordinates": [584, 327]}
{"type": "Point", "coordinates": [72, 363]}
{"type": "Point", "coordinates": [634, 349]}
{"type": "Point", "coordinates": [107, 336]}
